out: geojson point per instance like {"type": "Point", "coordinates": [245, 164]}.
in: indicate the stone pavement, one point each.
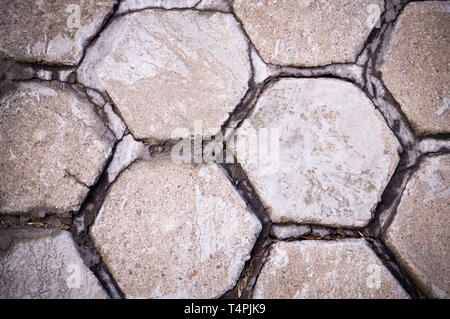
{"type": "Point", "coordinates": [224, 149]}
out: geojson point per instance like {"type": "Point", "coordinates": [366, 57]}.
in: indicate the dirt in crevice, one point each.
{"type": "Point", "coordinates": [244, 285]}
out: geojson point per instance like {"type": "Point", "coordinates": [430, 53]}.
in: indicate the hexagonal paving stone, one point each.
{"type": "Point", "coordinates": [336, 153]}
{"type": "Point", "coordinates": [170, 230]}
{"type": "Point", "coordinates": [53, 146]}
{"type": "Point", "coordinates": [307, 32]}
{"type": "Point", "coordinates": [44, 264]}
{"type": "Point", "coordinates": [325, 269]}
{"type": "Point", "coordinates": [49, 32]}
{"type": "Point", "coordinates": [416, 66]}
{"type": "Point", "coordinates": [419, 233]}
{"type": "Point", "coordinates": [165, 69]}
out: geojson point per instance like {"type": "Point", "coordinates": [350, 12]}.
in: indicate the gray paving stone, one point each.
{"type": "Point", "coordinates": [306, 32]}
{"type": "Point", "coordinates": [335, 155]}
{"type": "Point", "coordinates": [114, 122]}
{"type": "Point", "coordinates": [49, 32]}
{"type": "Point", "coordinates": [170, 230]}
{"type": "Point", "coordinates": [416, 67]}
{"type": "Point", "coordinates": [289, 231]}
{"type": "Point", "coordinates": [419, 233]}
{"type": "Point", "coordinates": [325, 269]}
{"type": "Point", "coordinates": [127, 151]}
{"type": "Point", "coordinates": [220, 5]}
{"type": "Point", "coordinates": [44, 264]}
{"type": "Point", "coordinates": [173, 60]}
{"type": "Point", "coordinates": [54, 147]}
{"type": "Point", "coordinates": [131, 5]}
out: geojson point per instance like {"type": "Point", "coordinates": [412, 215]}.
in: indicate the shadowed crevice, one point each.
{"type": "Point", "coordinates": [389, 261]}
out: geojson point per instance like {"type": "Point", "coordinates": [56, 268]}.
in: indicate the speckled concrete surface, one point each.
{"type": "Point", "coordinates": [419, 233]}
{"type": "Point", "coordinates": [305, 32]}
{"type": "Point", "coordinates": [182, 234]}
{"type": "Point", "coordinates": [52, 33]}
{"type": "Point", "coordinates": [44, 264]}
{"type": "Point", "coordinates": [189, 66]}
{"type": "Point", "coordinates": [416, 67]}
{"type": "Point", "coordinates": [326, 174]}
{"type": "Point", "coordinates": [54, 147]}
{"type": "Point", "coordinates": [325, 269]}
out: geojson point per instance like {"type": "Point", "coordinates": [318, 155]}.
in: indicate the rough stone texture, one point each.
{"type": "Point", "coordinates": [131, 5]}
{"type": "Point", "coordinates": [261, 70]}
{"type": "Point", "coordinates": [44, 264]}
{"type": "Point", "coordinates": [416, 66]}
{"type": "Point", "coordinates": [419, 233]}
{"type": "Point", "coordinates": [289, 231]}
{"type": "Point", "coordinates": [170, 230]}
{"type": "Point", "coordinates": [325, 269]}
{"type": "Point", "coordinates": [179, 66]}
{"type": "Point", "coordinates": [336, 153]}
{"type": "Point", "coordinates": [115, 123]}
{"type": "Point", "coordinates": [320, 232]}
{"type": "Point", "coordinates": [220, 5]}
{"type": "Point", "coordinates": [46, 32]}
{"type": "Point", "coordinates": [127, 151]}
{"type": "Point", "coordinates": [306, 32]}
{"type": "Point", "coordinates": [53, 147]}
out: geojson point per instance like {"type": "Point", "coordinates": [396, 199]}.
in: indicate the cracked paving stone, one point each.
{"type": "Point", "coordinates": [325, 269]}
{"type": "Point", "coordinates": [169, 230]}
{"type": "Point", "coordinates": [165, 69]}
{"type": "Point", "coordinates": [49, 32]}
{"type": "Point", "coordinates": [307, 32]}
{"type": "Point", "coordinates": [53, 146]}
{"type": "Point", "coordinates": [419, 233]}
{"type": "Point", "coordinates": [416, 67]}
{"type": "Point", "coordinates": [332, 159]}
{"type": "Point", "coordinates": [44, 264]}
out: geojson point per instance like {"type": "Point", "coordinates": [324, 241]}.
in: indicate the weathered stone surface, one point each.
{"type": "Point", "coordinates": [289, 231]}
{"type": "Point", "coordinates": [261, 70]}
{"type": "Point", "coordinates": [419, 233]}
{"type": "Point", "coordinates": [416, 66]}
{"type": "Point", "coordinates": [131, 5]}
{"type": "Point", "coordinates": [306, 32]}
{"type": "Point", "coordinates": [49, 32]}
{"type": "Point", "coordinates": [336, 153]}
{"type": "Point", "coordinates": [179, 66]}
{"type": "Point", "coordinates": [170, 230]}
{"type": "Point", "coordinates": [220, 5]}
{"type": "Point", "coordinates": [127, 151]}
{"type": "Point", "coordinates": [114, 122]}
{"type": "Point", "coordinates": [44, 264]}
{"type": "Point", "coordinates": [53, 147]}
{"type": "Point", "coordinates": [325, 269]}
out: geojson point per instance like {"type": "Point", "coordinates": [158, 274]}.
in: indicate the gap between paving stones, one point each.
{"type": "Point", "coordinates": [103, 26]}
{"type": "Point", "coordinates": [193, 8]}
{"type": "Point", "coordinates": [88, 212]}
{"type": "Point", "coordinates": [80, 231]}
{"type": "Point", "coordinates": [389, 261]}
{"type": "Point", "coordinates": [363, 73]}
